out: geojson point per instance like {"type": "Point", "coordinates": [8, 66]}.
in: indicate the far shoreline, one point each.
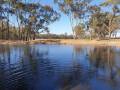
{"type": "Point", "coordinates": [112, 42]}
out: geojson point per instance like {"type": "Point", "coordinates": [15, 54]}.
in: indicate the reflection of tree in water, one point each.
{"type": "Point", "coordinates": [30, 63]}
{"type": "Point", "coordinates": [4, 54]}
{"type": "Point", "coordinates": [78, 75]}
{"type": "Point", "coordinates": [102, 56]}
{"type": "Point", "coordinates": [33, 54]}
{"type": "Point", "coordinates": [78, 50]}
{"type": "Point", "coordinates": [33, 63]}
{"type": "Point", "coordinates": [16, 75]}
{"type": "Point", "coordinates": [102, 59]}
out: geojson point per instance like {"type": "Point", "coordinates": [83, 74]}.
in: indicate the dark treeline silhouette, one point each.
{"type": "Point", "coordinates": [54, 36]}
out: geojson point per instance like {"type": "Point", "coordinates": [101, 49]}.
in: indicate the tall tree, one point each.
{"type": "Point", "coordinates": [113, 15]}
{"type": "Point", "coordinates": [104, 23]}
{"type": "Point", "coordinates": [79, 31]}
{"type": "Point", "coordinates": [31, 17]}
{"type": "Point", "coordinates": [75, 9]}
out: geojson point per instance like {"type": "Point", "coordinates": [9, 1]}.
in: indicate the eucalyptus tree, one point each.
{"type": "Point", "coordinates": [102, 22]}
{"type": "Point", "coordinates": [2, 17]}
{"type": "Point", "coordinates": [37, 18]}
{"type": "Point", "coordinates": [74, 9]}
{"type": "Point", "coordinates": [79, 31]}
{"type": "Point", "coordinates": [31, 17]}
{"type": "Point", "coordinates": [113, 15]}
{"type": "Point", "coordinates": [97, 21]}
{"type": "Point", "coordinates": [8, 12]}
{"type": "Point", "coordinates": [46, 17]}
{"type": "Point", "coordinates": [18, 9]}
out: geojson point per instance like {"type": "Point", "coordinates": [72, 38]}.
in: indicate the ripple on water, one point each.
{"type": "Point", "coordinates": [59, 67]}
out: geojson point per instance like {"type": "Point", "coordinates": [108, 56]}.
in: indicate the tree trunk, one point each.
{"type": "Point", "coordinates": [2, 31]}
{"type": "Point", "coordinates": [74, 37]}
{"type": "Point", "coordinates": [34, 36]}
{"type": "Point", "coordinates": [109, 36]}
{"type": "Point", "coordinates": [8, 29]}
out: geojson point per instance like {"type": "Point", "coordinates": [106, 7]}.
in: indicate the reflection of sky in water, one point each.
{"type": "Point", "coordinates": [49, 67]}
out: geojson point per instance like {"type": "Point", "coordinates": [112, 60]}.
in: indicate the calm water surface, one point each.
{"type": "Point", "coordinates": [59, 67]}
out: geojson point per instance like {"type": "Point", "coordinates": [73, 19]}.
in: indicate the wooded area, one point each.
{"type": "Point", "coordinates": [86, 19]}
{"type": "Point", "coordinates": [101, 21]}
{"type": "Point", "coordinates": [31, 18]}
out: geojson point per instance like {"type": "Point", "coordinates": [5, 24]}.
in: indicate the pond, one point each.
{"type": "Point", "coordinates": [59, 67]}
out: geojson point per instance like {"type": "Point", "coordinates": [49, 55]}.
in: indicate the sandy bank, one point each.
{"type": "Point", "coordinates": [92, 42]}
{"type": "Point", "coordinates": [63, 41]}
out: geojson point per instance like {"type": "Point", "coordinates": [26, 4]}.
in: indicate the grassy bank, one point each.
{"type": "Point", "coordinates": [93, 42]}
{"type": "Point", "coordinates": [115, 42]}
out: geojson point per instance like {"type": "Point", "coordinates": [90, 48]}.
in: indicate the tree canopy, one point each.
{"type": "Point", "coordinates": [31, 18]}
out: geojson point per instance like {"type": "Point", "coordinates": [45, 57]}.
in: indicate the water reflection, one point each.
{"type": "Point", "coordinates": [59, 67]}
{"type": "Point", "coordinates": [103, 61]}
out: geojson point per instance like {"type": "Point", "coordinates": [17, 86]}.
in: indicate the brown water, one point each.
{"type": "Point", "coordinates": [59, 67]}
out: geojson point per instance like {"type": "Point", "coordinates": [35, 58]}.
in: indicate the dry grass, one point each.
{"type": "Point", "coordinates": [92, 42]}
{"type": "Point", "coordinates": [115, 42]}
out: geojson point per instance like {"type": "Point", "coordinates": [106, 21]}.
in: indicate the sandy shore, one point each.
{"type": "Point", "coordinates": [63, 41]}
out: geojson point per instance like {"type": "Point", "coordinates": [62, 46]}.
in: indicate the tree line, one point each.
{"type": "Point", "coordinates": [30, 18]}
{"type": "Point", "coordinates": [100, 21]}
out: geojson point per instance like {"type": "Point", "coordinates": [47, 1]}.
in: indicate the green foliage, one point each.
{"type": "Point", "coordinates": [104, 23]}
{"type": "Point", "coordinates": [97, 23]}
{"type": "Point", "coordinates": [31, 17]}
{"type": "Point", "coordinates": [79, 31]}
{"type": "Point", "coordinates": [76, 10]}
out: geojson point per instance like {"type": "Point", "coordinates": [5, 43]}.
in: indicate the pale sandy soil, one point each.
{"type": "Point", "coordinates": [92, 42]}
{"type": "Point", "coordinates": [64, 41]}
